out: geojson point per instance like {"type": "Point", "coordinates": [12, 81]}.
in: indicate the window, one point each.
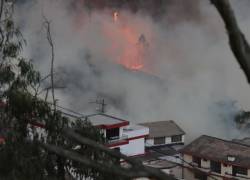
{"type": "Point", "coordinates": [177, 138]}
{"type": "Point", "coordinates": [197, 161]}
{"type": "Point", "coordinates": [159, 140]}
{"type": "Point", "coordinates": [239, 170]}
{"type": "Point", "coordinates": [112, 134]}
{"type": "Point", "coordinates": [215, 166]}
{"type": "Point", "coordinates": [118, 149]}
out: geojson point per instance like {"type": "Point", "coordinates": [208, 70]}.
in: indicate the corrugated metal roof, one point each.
{"type": "Point", "coordinates": [163, 129]}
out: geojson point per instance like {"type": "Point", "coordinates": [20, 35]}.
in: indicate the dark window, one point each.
{"type": "Point", "coordinates": [177, 138]}
{"type": "Point", "coordinates": [159, 140]}
{"type": "Point", "coordinates": [112, 134]}
{"type": "Point", "coordinates": [197, 161]}
{"type": "Point", "coordinates": [215, 166]}
{"type": "Point", "coordinates": [239, 170]}
{"type": "Point", "coordinates": [200, 176]}
{"type": "Point", "coordinates": [117, 149]}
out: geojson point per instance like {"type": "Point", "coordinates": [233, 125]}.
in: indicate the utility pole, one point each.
{"type": "Point", "coordinates": [102, 105]}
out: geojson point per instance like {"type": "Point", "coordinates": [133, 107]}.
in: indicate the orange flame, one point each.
{"type": "Point", "coordinates": [131, 55]}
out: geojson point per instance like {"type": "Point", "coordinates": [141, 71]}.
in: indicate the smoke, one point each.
{"type": "Point", "coordinates": [189, 74]}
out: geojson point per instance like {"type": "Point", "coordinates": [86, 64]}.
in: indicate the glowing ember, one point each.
{"type": "Point", "coordinates": [115, 16]}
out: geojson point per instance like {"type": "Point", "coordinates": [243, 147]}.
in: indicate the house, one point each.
{"type": "Point", "coordinates": [164, 158]}
{"type": "Point", "coordinates": [120, 134]}
{"type": "Point", "coordinates": [213, 158]}
{"type": "Point", "coordinates": [163, 133]}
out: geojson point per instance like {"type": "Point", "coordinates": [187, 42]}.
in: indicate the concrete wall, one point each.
{"type": "Point", "coordinates": [205, 164]}
{"type": "Point", "coordinates": [149, 142]}
{"type": "Point", "coordinates": [134, 147]}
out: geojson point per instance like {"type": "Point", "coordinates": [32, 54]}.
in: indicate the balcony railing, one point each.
{"type": "Point", "coordinates": [238, 175]}
{"type": "Point", "coordinates": [116, 139]}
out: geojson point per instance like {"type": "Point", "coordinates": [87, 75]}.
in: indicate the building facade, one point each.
{"type": "Point", "coordinates": [120, 134]}
{"type": "Point", "coordinates": [164, 133]}
{"type": "Point", "coordinates": [212, 158]}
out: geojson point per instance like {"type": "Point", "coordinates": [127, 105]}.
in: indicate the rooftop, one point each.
{"type": "Point", "coordinates": [163, 129]}
{"type": "Point", "coordinates": [157, 153]}
{"type": "Point", "coordinates": [245, 141]}
{"type": "Point", "coordinates": [216, 149]}
{"type": "Point", "coordinates": [105, 120]}
{"type": "Point", "coordinates": [160, 164]}
{"type": "Point", "coordinates": [135, 131]}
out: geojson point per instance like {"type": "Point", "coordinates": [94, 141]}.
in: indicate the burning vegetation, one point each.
{"type": "Point", "coordinates": [135, 44]}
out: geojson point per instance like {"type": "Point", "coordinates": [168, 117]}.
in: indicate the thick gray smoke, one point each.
{"type": "Point", "coordinates": [191, 75]}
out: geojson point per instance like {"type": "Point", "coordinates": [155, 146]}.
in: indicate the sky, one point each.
{"type": "Point", "coordinates": [171, 65]}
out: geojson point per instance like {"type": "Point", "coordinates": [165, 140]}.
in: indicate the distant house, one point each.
{"type": "Point", "coordinates": [212, 158]}
{"type": "Point", "coordinates": [163, 158]}
{"type": "Point", "coordinates": [120, 134]}
{"type": "Point", "coordinates": [163, 133]}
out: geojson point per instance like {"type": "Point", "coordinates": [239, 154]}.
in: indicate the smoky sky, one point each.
{"type": "Point", "coordinates": [190, 73]}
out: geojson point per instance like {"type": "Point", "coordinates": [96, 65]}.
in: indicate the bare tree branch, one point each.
{"type": "Point", "coordinates": [49, 38]}
{"type": "Point", "coordinates": [237, 41]}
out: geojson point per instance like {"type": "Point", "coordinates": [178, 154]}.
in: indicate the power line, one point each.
{"type": "Point", "coordinates": [80, 115]}
{"type": "Point", "coordinates": [184, 161]}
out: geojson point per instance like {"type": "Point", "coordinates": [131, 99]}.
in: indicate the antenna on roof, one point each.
{"type": "Point", "coordinates": [102, 105]}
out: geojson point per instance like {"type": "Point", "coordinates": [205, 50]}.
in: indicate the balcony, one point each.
{"type": "Point", "coordinates": [117, 140]}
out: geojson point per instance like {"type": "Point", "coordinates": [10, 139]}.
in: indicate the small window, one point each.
{"type": "Point", "coordinates": [112, 134]}
{"type": "Point", "coordinates": [197, 161]}
{"type": "Point", "coordinates": [159, 140]}
{"type": "Point", "coordinates": [177, 138]}
{"type": "Point", "coordinates": [117, 149]}
{"type": "Point", "coordinates": [215, 167]}
{"type": "Point", "coordinates": [239, 170]}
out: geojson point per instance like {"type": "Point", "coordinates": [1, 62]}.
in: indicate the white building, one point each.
{"type": "Point", "coordinates": [212, 158]}
{"type": "Point", "coordinates": [164, 133]}
{"type": "Point", "coordinates": [120, 135]}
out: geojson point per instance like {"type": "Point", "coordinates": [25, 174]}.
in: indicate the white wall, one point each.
{"type": "Point", "coordinates": [121, 131]}
{"type": "Point", "coordinates": [168, 140]}
{"type": "Point", "coordinates": [134, 147]}
{"type": "Point", "coordinates": [205, 164]}
{"type": "Point", "coordinates": [149, 142]}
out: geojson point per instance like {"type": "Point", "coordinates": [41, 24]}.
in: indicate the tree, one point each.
{"type": "Point", "coordinates": [19, 86]}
